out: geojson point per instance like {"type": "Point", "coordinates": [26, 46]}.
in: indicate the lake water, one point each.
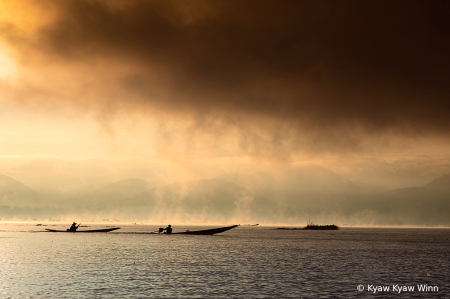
{"type": "Point", "coordinates": [245, 262]}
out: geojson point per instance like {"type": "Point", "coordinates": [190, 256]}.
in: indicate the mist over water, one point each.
{"type": "Point", "coordinates": [217, 113]}
{"type": "Point", "coordinates": [217, 192]}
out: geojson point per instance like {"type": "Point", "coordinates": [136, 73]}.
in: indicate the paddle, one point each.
{"type": "Point", "coordinates": [77, 227]}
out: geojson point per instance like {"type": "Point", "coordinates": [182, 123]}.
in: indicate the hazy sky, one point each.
{"type": "Point", "coordinates": [286, 80]}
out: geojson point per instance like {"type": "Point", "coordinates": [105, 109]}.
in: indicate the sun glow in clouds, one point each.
{"type": "Point", "coordinates": [8, 67]}
{"type": "Point", "coordinates": [204, 89]}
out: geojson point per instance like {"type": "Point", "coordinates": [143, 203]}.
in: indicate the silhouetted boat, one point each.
{"type": "Point", "coordinates": [104, 230]}
{"type": "Point", "coordinates": [211, 231]}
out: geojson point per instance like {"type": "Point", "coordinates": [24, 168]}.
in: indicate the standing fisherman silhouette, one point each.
{"type": "Point", "coordinates": [74, 227]}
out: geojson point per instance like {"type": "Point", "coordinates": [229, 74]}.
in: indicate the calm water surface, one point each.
{"type": "Point", "coordinates": [246, 262]}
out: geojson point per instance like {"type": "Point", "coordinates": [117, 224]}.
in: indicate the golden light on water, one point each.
{"type": "Point", "coordinates": [269, 114]}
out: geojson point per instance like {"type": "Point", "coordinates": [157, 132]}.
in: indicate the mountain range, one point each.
{"type": "Point", "coordinates": [296, 195]}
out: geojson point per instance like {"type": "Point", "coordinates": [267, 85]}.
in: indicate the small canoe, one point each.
{"type": "Point", "coordinates": [105, 230]}
{"type": "Point", "coordinates": [211, 231]}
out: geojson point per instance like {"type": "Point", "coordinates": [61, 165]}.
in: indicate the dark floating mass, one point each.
{"type": "Point", "coordinates": [321, 227]}
{"type": "Point", "coordinates": [312, 226]}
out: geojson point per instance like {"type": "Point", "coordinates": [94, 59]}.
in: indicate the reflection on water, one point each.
{"type": "Point", "coordinates": [246, 262]}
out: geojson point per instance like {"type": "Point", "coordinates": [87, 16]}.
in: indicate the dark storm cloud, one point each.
{"type": "Point", "coordinates": [321, 66]}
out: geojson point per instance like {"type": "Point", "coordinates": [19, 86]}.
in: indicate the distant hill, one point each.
{"type": "Point", "coordinates": [296, 194]}
{"type": "Point", "coordinates": [127, 187]}
{"type": "Point", "coordinates": [404, 173]}
{"type": "Point", "coordinates": [428, 205]}
{"type": "Point", "coordinates": [60, 178]}
{"type": "Point", "coordinates": [303, 188]}
{"type": "Point", "coordinates": [43, 164]}
{"type": "Point", "coordinates": [201, 200]}
{"type": "Point", "coordinates": [107, 197]}
{"type": "Point", "coordinates": [306, 177]}
{"type": "Point", "coordinates": [441, 183]}
{"type": "Point", "coordinates": [16, 194]}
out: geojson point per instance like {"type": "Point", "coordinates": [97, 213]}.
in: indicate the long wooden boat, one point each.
{"type": "Point", "coordinates": [104, 230]}
{"type": "Point", "coordinates": [211, 231]}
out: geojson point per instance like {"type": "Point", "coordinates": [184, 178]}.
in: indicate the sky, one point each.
{"type": "Point", "coordinates": [272, 81]}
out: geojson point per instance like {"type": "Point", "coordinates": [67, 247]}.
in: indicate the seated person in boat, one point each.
{"type": "Point", "coordinates": [73, 227]}
{"type": "Point", "coordinates": [168, 229]}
